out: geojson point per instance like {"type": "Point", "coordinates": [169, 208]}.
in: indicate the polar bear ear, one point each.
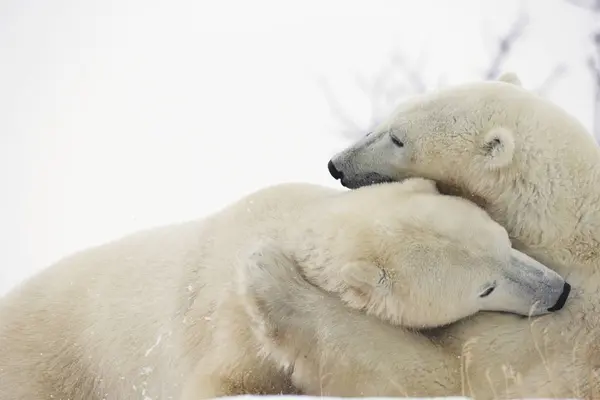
{"type": "Point", "coordinates": [510, 77]}
{"type": "Point", "coordinates": [363, 274]}
{"type": "Point", "coordinates": [498, 148]}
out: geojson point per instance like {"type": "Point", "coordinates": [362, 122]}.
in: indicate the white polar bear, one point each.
{"type": "Point", "coordinates": [156, 314]}
{"type": "Point", "coordinates": [536, 171]}
{"type": "Point", "coordinates": [293, 320]}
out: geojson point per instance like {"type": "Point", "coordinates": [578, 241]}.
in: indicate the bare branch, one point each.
{"type": "Point", "coordinates": [349, 127]}
{"type": "Point", "coordinates": [505, 45]}
{"type": "Point", "coordinates": [413, 77]}
{"type": "Point", "coordinates": [554, 76]}
{"type": "Point", "coordinates": [593, 5]}
{"type": "Point", "coordinates": [595, 70]}
{"type": "Point", "coordinates": [383, 91]}
{"type": "Point", "coordinates": [378, 92]}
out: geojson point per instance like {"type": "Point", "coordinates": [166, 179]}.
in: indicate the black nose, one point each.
{"type": "Point", "coordinates": [560, 303]}
{"type": "Point", "coordinates": [333, 171]}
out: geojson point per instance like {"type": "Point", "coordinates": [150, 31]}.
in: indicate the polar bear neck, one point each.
{"type": "Point", "coordinates": [316, 261]}
{"type": "Point", "coordinates": [312, 244]}
{"type": "Point", "coordinates": [561, 231]}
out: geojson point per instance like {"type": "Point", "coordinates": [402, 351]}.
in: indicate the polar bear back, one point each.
{"type": "Point", "coordinates": [131, 307]}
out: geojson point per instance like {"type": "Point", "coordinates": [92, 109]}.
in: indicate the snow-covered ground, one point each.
{"type": "Point", "coordinates": [119, 115]}
{"type": "Point", "coordinates": [342, 398]}
{"type": "Point", "coordinates": [334, 398]}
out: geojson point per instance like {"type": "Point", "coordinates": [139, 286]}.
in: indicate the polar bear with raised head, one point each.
{"type": "Point", "coordinates": [535, 170]}
{"type": "Point", "coordinates": [157, 314]}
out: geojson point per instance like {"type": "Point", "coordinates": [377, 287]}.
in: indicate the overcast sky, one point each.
{"type": "Point", "coordinates": [121, 115]}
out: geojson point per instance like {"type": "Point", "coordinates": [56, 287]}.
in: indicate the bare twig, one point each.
{"type": "Point", "coordinates": [594, 66]}
{"type": "Point", "coordinates": [593, 62]}
{"type": "Point", "coordinates": [548, 83]}
{"type": "Point", "coordinates": [382, 90]}
{"type": "Point", "coordinates": [412, 75]}
{"type": "Point", "coordinates": [505, 46]}
{"type": "Point", "coordinates": [349, 128]}
{"type": "Point", "coordinates": [595, 70]}
{"type": "Point", "coordinates": [589, 4]}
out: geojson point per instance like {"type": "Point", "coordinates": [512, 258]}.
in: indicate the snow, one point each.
{"type": "Point", "coordinates": [342, 398]}
{"type": "Point", "coordinates": [282, 397]}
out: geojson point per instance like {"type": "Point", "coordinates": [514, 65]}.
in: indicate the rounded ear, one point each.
{"type": "Point", "coordinates": [498, 148]}
{"type": "Point", "coordinates": [510, 77]}
{"type": "Point", "coordinates": [363, 274]}
{"type": "Point", "coordinates": [421, 185]}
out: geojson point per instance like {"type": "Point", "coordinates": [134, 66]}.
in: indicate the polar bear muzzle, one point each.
{"type": "Point", "coordinates": [528, 287]}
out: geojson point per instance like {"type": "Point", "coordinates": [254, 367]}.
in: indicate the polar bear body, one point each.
{"type": "Point", "coordinates": [535, 170]}
{"type": "Point", "coordinates": [121, 320]}
{"type": "Point", "coordinates": [159, 314]}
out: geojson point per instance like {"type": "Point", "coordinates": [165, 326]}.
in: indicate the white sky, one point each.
{"type": "Point", "coordinates": [120, 115]}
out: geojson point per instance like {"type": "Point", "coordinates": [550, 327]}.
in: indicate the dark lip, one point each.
{"type": "Point", "coordinates": [366, 180]}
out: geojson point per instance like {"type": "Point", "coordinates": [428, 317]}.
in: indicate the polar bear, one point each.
{"type": "Point", "coordinates": [273, 285]}
{"type": "Point", "coordinates": [535, 170]}
{"type": "Point", "coordinates": [157, 315]}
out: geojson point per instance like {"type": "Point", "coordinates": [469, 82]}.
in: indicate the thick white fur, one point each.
{"type": "Point", "coordinates": [541, 180]}
{"type": "Point", "coordinates": [273, 286]}
{"type": "Point", "coordinates": [156, 314]}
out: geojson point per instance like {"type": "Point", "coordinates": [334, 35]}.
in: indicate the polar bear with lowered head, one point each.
{"type": "Point", "coordinates": [157, 314]}
{"type": "Point", "coordinates": [535, 170]}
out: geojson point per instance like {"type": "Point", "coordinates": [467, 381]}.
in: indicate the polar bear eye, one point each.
{"type": "Point", "coordinates": [487, 291]}
{"type": "Point", "coordinates": [397, 141]}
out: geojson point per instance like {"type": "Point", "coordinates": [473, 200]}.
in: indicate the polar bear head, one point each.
{"type": "Point", "coordinates": [522, 158]}
{"type": "Point", "coordinates": [416, 258]}
{"type": "Point", "coordinates": [471, 133]}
